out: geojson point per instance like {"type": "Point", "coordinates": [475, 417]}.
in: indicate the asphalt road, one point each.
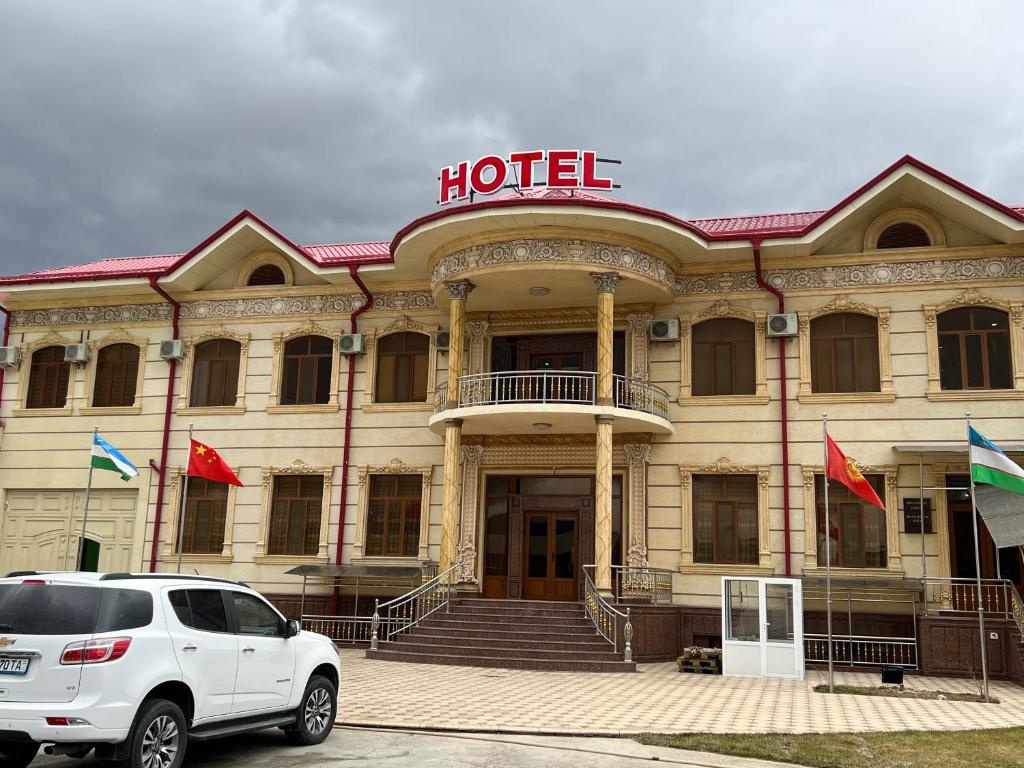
{"type": "Point", "coordinates": [388, 749]}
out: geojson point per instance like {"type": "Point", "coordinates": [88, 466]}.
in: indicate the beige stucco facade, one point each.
{"type": "Point", "coordinates": [977, 259]}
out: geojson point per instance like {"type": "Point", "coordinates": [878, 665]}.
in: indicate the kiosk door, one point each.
{"type": "Point", "coordinates": [762, 628]}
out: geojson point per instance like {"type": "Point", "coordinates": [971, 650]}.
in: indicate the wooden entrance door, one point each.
{"type": "Point", "coordinates": [550, 556]}
{"type": "Point", "coordinates": [961, 550]}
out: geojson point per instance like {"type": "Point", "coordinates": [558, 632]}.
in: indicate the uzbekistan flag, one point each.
{"type": "Point", "coordinates": [1000, 495]}
{"type": "Point", "coordinates": [106, 456]}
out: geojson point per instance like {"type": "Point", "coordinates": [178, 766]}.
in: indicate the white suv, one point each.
{"type": "Point", "coordinates": [136, 666]}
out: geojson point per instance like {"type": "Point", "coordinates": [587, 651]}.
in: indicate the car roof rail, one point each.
{"type": "Point", "coordinates": [14, 574]}
{"type": "Point", "coordinates": [168, 576]}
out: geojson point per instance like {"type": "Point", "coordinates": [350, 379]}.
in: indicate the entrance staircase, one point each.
{"type": "Point", "coordinates": [513, 634]}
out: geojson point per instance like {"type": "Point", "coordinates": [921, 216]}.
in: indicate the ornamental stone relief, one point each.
{"type": "Point", "coordinates": [120, 313]}
{"type": "Point", "coordinates": [619, 257]}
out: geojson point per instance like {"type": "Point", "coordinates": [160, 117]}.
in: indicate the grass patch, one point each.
{"type": "Point", "coordinates": [893, 692]}
{"type": "Point", "coordinates": [907, 749]}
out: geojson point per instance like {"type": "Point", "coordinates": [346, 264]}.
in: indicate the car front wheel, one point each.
{"type": "Point", "coordinates": [316, 713]}
{"type": "Point", "coordinates": [17, 754]}
{"type": "Point", "coordinates": [159, 736]}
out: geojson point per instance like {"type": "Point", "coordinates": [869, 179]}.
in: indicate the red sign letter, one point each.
{"type": "Point", "coordinates": [454, 180]}
{"type": "Point", "coordinates": [476, 178]}
{"type": "Point", "coordinates": [524, 161]}
{"type": "Point", "coordinates": [590, 178]}
{"type": "Point", "coordinates": [562, 168]}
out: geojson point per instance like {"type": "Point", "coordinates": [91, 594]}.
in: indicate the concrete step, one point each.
{"type": "Point", "coordinates": [443, 634]}
{"type": "Point", "coordinates": [526, 642]}
{"type": "Point", "coordinates": [416, 645]}
{"type": "Point", "coordinates": [550, 665]}
{"type": "Point", "coordinates": [496, 623]}
{"type": "Point", "coordinates": [571, 612]}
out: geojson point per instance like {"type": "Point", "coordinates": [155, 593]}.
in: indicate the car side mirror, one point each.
{"type": "Point", "coordinates": [292, 628]}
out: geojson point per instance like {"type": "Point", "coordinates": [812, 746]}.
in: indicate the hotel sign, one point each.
{"type": "Point", "coordinates": [555, 168]}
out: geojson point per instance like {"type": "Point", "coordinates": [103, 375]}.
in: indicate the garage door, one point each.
{"type": "Point", "coordinates": [36, 526]}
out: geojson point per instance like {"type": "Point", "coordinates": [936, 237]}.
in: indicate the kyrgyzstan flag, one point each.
{"type": "Point", "coordinates": [203, 461]}
{"type": "Point", "coordinates": [844, 470]}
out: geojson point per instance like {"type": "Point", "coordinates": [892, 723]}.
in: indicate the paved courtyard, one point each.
{"type": "Point", "coordinates": [656, 699]}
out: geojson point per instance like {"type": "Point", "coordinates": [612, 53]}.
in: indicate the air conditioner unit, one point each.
{"type": "Point", "coordinates": [76, 353]}
{"type": "Point", "coordinates": [352, 344]}
{"type": "Point", "coordinates": [10, 357]}
{"type": "Point", "coordinates": [442, 340]}
{"type": "Point", "coordinates": [172, 349]}
{"type": "Point", "coordinates": [664, 330]}
{"type": "Point", "coordinates": [780, 326]}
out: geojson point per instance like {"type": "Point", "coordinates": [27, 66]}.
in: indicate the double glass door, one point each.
{"type": "Point", "coordinates": [762, 628]}
{"type": "Point", "coordinates": [550, 554]}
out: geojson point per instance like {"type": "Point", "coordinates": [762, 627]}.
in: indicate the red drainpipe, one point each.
{"type": "Point", "coordinates": [783, 399]}
{"type": "Point", "coordinates": [7, 334]}
{"type": "Point", "coordinates": [353, 271]}
{"type": "Point", "coordinates": [162, 470]}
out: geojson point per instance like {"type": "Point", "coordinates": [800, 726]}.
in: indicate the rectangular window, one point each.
{"type": "Point", "coordinates": [295, 515]}
{"type": "Point", "coordinates": [393, 516]}
{"type": "Point", "coordinates": [857, 529]}
{"type": "Point", "coordinates": [725, 519]}
{"type": "Point", "coordinates": [205, 517]}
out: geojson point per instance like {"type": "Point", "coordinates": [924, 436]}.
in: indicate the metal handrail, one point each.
{"type": "Point", "coordinates": [340, 629]}
{"type": "Point", "coordinates": [999, 597]}
{"type": "Point", "coordinates": [544, 386]}
{"type": "Point", "coordinates": [406, 611]}
{"type": "Point", "coordinates": [639, 582]}
{"type": "Point", "coordinates": [605, 617]}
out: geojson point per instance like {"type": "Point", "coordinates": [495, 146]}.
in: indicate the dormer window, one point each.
{"type": "Point", "coordinates": [267, 274]}
{"type": "Point", "coordinates": [903, 234]}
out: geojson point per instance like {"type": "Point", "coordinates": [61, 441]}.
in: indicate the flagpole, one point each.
{"type": "Point", "coordinates": [85, 510]}
{"type": "Point", "coordinates": [977, 563]}
{"type": "Point", "coordinates": [184, 500]}
{"type": "Point", "coordinates": [828, 557]}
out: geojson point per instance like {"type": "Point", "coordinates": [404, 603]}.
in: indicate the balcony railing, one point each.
{"type": "Point", "coordinates": [562, 387]}
{"type": "Point", "coordinates": [651, 585]}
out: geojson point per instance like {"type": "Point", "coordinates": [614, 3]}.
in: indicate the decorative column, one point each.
{"type": "Point", "coordinates": [465, 571]}
{"type": "Point", "coordinates": [458, 292]}
{"type": "Point", "coordinates": [606, 283]}
{"type": "Point", "coordinates": [639, 324]}
{"type": "Point", "coordinates": [637, 455]}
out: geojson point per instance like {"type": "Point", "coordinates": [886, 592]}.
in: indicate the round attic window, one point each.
{"type": "Point", "coordinates": [267, 274]}
{"type": "Point", "coordinates": [903, 234]}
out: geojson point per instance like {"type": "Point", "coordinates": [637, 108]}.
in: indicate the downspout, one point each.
{"type": "Point", "coordinates": [162, 469]}
{"type": "Point", "coordinates": [7, 334]}
{"type": "Point", "coordinates": [353, 271]}
{"type": "Point", "coordinates": [783, 400]}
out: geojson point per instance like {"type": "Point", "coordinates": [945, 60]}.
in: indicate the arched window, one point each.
{"type": "Point", "coordinates": [117, 373]}
{"type": "Point", "coordinates": [215, 373]}
{"type": "Point", "coordinates": [48, 379]}
{"type": "Point", "coordinates": [723, 357]}
{"type": "Point", "coordinates": [267, 274]}
{"type": "Point", "coordinates": [306, 374]}
{"type": "Point", "coordinates": [974, 349]}
{"type": "Point", "coordinates": [844, 353]}
{"type": "Point", "coordinates": [903, 234]}
{"type": "Point", "coordinates": [402, 361]}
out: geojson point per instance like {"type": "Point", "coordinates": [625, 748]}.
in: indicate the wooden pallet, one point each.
{"type": "Point", "coordinates": [700, 666]}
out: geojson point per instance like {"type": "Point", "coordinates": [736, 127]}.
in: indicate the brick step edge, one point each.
{"type": "Point", "coordinates": [503, 663]}
{"type": "Point", "coordinates": [443, 634]}
{"type": "Point", "coordinates": [599, 645]}
{"type": "Point", "coordinates": [428, 649]}
{"type": "Point", "coordinates": [454, 620]}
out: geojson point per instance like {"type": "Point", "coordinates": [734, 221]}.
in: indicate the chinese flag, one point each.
{"type": "Point", "coordinates": [203, 461]}
{"type": "Point", "coordinates": [843, 470]}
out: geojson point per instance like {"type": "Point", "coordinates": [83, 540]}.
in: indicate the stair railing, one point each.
{"type": "Point", "coordinates": [606, 617]}
{"type": "Point", "coordinates": [406, 611]}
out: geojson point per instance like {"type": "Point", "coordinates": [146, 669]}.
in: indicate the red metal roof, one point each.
{"type": "Point", "coordinates": [766, 226]}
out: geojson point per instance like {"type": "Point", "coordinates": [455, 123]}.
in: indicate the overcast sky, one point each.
{"type": "Point", "coordinates": [139, 127]}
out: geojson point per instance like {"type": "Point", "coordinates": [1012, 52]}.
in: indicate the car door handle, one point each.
{"type": "Point", "coordinates": [249, 649]}
{"type": "Point", "coordinates": [189, 648]}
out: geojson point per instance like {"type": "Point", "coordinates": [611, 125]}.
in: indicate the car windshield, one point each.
{"type": "Point", "coordinates": [60, 609]}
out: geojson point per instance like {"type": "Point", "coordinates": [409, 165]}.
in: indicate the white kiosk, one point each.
{"type": "Point", "coordinates": [762, 627]}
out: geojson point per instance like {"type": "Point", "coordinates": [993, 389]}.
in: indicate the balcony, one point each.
{"type": "Point", "coordinates": [555, 402]}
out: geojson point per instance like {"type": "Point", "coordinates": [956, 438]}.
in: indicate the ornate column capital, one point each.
{"type": "Point", "coordinates": [471, 455]}
{"type": "Point", "coordinates": [606, 282]}
{"type": "Point", "coordinates": [459, 290]}
{"type": "Point", "coordinates": [637, 453]}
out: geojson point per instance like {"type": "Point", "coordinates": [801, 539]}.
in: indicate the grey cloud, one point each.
{"type": "Point", "coordinates": [129, 128]}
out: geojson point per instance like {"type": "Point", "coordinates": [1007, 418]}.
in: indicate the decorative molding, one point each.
{"type": "Point", "coordinates": [723, 466]}
{"type": "Point", "coordinates": [402, 324]}
{"type": "Point", "coordinates": [720, 310]}
{"type": "Point", "coordinates": [638, 455]}
{"type": "Point", "coordinates": [309, 328]}
{"type": "Point", "coordinates": [466, 552]}
{"type": "Point", "coordinates": [188, 369]}
{"type": "Point", "coordinates": [169, 544]}
{"type": "Point", "coordinates": [639, 324]}
{"type": "Point", "coordinates": [972, 297]}
{"type": "Point", "coordinates": [397, 466]}
{"type": "Point", "coordinates": [297, 467]}
{"type": "Point", "coordinates": [478, 337]}
{"type": "Point", "coordinates": [271, 306]}
{"type": "Point", "coordinates": [924, 220]}
{"type": "Point", "coordinates": [606, 282]}
{"type": "Point", "coordinates": [115, 336]}
{"type": "Point", "coordinates": [256, 260]}
{"type": "Point", "coordinates": [90, 316]}
{"type": "Point", "coordinates": [512, 253]}
{"type": "Point", "coordinates": [894, 562]}
{"type": "Point", "coordinates": [843, 303]}
{"type": "Point", "coordinates": [459, 290]}
{"type": "Point", "coordinates": [49, 339]}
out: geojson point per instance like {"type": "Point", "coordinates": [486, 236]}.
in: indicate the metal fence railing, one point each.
{"type": "Point", "coordinates": [653, 585]}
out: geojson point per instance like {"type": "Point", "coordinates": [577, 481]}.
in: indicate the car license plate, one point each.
{"type": "Point", "coordinates": [13, 665]}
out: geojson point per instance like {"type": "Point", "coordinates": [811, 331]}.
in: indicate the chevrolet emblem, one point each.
{"type": "Point", "coordinates": [5, 641]}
